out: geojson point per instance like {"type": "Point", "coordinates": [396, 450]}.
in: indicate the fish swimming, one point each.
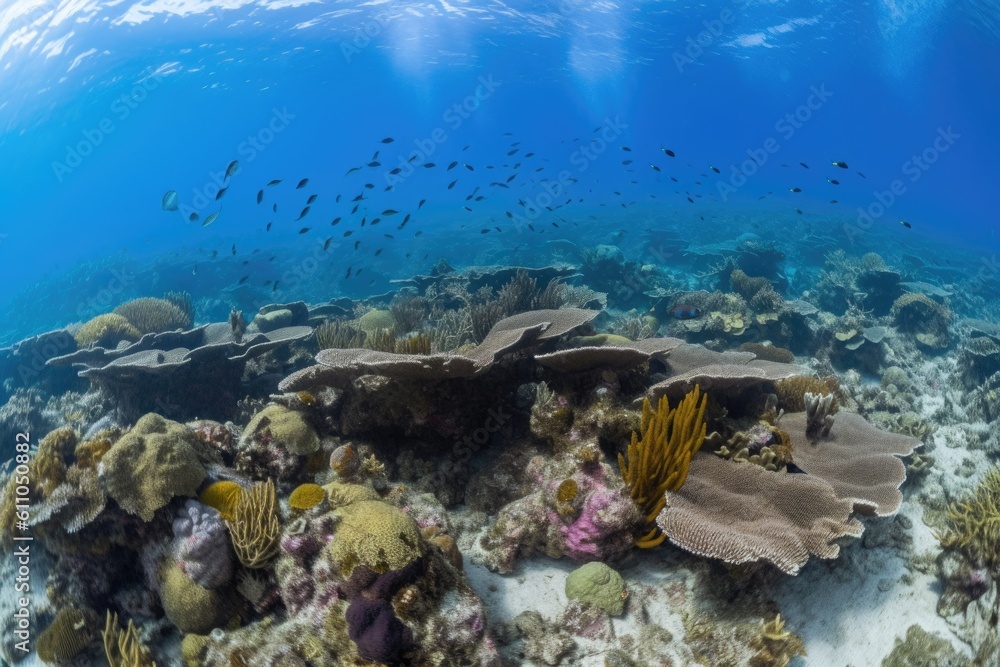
{"type": "Point", "coordinates": [684, 312]}
{"type": "Point", "coordinates": [170, 200]}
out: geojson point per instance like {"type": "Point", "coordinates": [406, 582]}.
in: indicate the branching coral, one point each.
{"type": "Point", "coordinates": [150, 315]}
{"type": "Point", "coordinates": [658, 461]}
{"type": "Point", "coordinates": [336, 334]}
{"type": "Point", "coordinates": [124, 649]}
{"type": "Point", "coordinates": [255, 528]}
{"type": "Point", "coordinates": [106, 331]}
{"type": "Point", "coordinates": [974, 523]}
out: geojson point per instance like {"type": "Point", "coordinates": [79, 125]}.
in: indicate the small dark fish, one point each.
{"type": "Point", "coordinates": [326, 244]}
{"type": "Point", "coordinates": [626, 149]}
{"type": "Point", "coordinates": [452, 184]}
{"type": "Point", "coordinates": [220, 194]}
{"type": "Point", "coordinates": [194, 217]}
{"type": "Point", "coordinates": [555, 225]}
{"type": "Point", "coordinates": [337, 200]}
{"type": "Point", "coordinates": [303, 183]}
{"type": "Point", "coordinates": [428, 165]}
{"type": "Point", "coordinates": [210, 219]}
{"type": "Point", "coordinates": [378, 252]}
{"type": "Point", "coordinates": [215, 253]}
{"type": "Point", "coordinates": [348, 233]}
{"type": "Point", "coordinates": [358, 272]}
{"type": "Point", "coordinates": [390, 211]}
{"type": "Point", "coordinates": [834, 181]}
{"type": "Point", "coordinates": [422, 201]}
{"type": "Point", "coordinates": [359, 197]}
{"type": "Point", "coordinates": [862, 175]}
{"type": "Point", "coordinates": [834, 201]}
{"type": "Point", "coordinates": [799, 211]}
{"type": "Point", "coordinates": [303, 230]}
{"type": "Point", "coordinates": [626, 162]}
{"type": "Point", "coordinates": [467, 209]}
{"type": "Point", "coordinates": [795, 189]}
{"type": "Point", "coordinates": [511, 178]}
{"type": "Point", "coordinates": [352, 170]}
{"type": "Point", "coordinates": [468, 166]}
{"type": "Point", "coordinates": [260, 196]}
{"type": "Point", "coordinates": [275, 288]}
{"type": "Point", "coordinates": [335, 221]}
{"type": "Point", "coordinates": [684, 312]}
{"type": "Point", "coordinates": [311, 199]}
{"type": "Point", "coordinates": [842, 165]}
{"type": "Point", "coordinates": [348, 273]}
{"type": "Point", "coordinates": [375, 155]}
{"type": "Point", "coordinates": [715, 169]}
{"type": "Point", "coordinates": [395, 171]}
{"type": "Point", "coordinates": [355, 209]}
{"type": "Point", "coordinates": [375, 221]}
{"type": "Point", "coordinates": [243, 280]}
{"type": "Point", "coordinates": [374, 163]}
{"type": "Point", "coordinates": [417, 233]}
{"type": "Point", "coordinates": [655, 168]}
{"type": "Point", "coordinates": [906, 224]}
{"type": "Point", "coordinates": [804, 165]}
{"type": "Point", "coordinates": [406, 219]}
{"type": "Point", "coordinates": [389, 236]}
{"type": "Point", "coordinates": [268, 228]}
{"type": "Point", "coordinates": [388, 140]}
{"type": "Point", "coordinates": [231, 169]}
{"type": "Point", "coordinates": [667, 152]}
{"type": "Point", "coordinates": [274, 182]}
{"type": "Point", "coordinates": [303, 214]}
{"type": "Point", "coordinates": [509, 153]}
{"type": "Point", "coordinates": [234, 249]}
{"type": "Point", "coordinates": [357, 244]}
{"type": "Point", "coordinates": [452, 166]}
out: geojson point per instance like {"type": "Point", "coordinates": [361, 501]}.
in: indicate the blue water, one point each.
{"type": "Point", "coordinates": [106, 106]}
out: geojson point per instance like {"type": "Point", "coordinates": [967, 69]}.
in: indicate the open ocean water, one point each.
{"type": "Point", "coordinates": [482, 333]}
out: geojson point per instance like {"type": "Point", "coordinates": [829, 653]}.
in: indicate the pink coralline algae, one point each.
{"type": "Point", "coordinates": [598, 522]}
{"type": "Point", "coordinates": [597, 533]}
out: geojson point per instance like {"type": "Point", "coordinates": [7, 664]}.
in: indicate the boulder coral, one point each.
{"type": "Point", "coordinates": [151, 315]}
{"type": "Point", "coordinates": [151, 464]}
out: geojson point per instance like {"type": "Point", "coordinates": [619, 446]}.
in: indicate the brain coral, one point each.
{"type": "Point", "coordinates": [375, 534]}
{"type": "Point", "coordinates": [287, 427]}
{"type": "Point", "coordinates": [106, 331]}
{"type": "Point", "coordinates": [151, 464]}
{"type": "Point", "coordinates": [65, 637]}
{"type": "Point", "coordinates": [150, 315]}
{"type": "Point", "coordinates": [189, 606]}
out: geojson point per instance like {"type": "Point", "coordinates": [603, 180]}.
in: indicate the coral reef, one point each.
{"type": "Point", "coordinates": [106, 331]}
{"type": "Point", "coordinates": [65, 637]}
{"type": "Point", "coordinates": [974, 522]}
{"type": "Point", "coordinates": [150, 315]}
{"type": "Point", "coordinates": [123, 649]}
{"type": "Point", "coordinates": [923, 318]}
{"type": "Point", "coordinates": [201, 545]}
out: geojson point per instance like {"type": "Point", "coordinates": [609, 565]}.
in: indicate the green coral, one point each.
{"type": "Point", "coordinates": [150, 315]}
{"type": "Point", "coordinates": [65, 637]}
{"type": "Point", "coordinates": [288, 428]}
{"type": "Point", "coordinates": [974, 523]}
{"type": "Point", "coordinates": [922, 648]}
{"type": "Point", "coordinates": [188, 605]}
{"type": "Point", "coordinates": [376, 319]}
{"type": "Point", "coordinates": [597, 585]}
{"type": "Point", "coordinates": [106, 331]}
{"type": "Point", "coordinates": [151, 464]}
{"type": "Point", "coordinates": [340, 494]}
{"type": "Point", "coordinates": [374, 534]}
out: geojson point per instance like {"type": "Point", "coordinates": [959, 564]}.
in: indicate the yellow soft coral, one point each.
{"type": "Point", "coordinates": [255, 527]}
{"type": "Point", "coordinates": [124, 649]}
{"type": "Point", "coordinates": [974, 523]}
{"type": "Point", "coordinates": [221, 496]}
{"type": "Point", "coordinates": [659, 461]}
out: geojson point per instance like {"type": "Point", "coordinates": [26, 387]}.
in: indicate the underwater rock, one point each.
{"type": "Point", "coordinates": [923, 318]}
{"type": "Point", "coordinates": [24, 365]}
